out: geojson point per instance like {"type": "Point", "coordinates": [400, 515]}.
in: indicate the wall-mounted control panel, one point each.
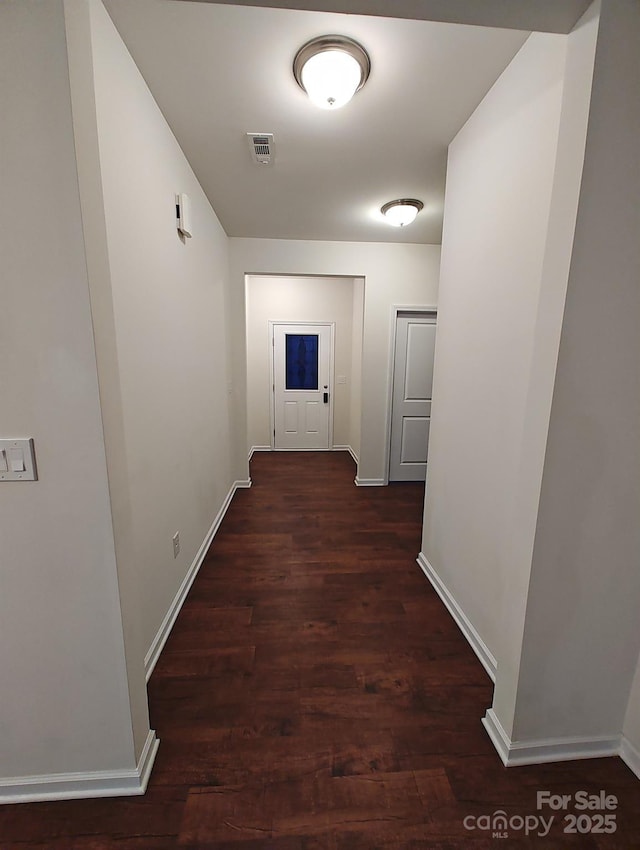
{"type": "Point", "coordinates": [17, 460]}
{"type": "Point", "coordinates": [183, 214]}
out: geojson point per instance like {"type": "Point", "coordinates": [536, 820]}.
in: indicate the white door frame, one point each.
{"type": "Point", "coordinates": [272, 378]}
{"type": "Point", "coordinates": [395, 309]}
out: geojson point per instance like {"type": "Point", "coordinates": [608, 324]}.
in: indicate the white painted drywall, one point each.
{"type": "Point", "coordinates": [79, 50]}
{"type": "Point", "coordinates": [582, 633]}
{"type": "Point", "coordinates": [161, 330]}
{"type": "Point", "coordinates": [65, 701]}
{"type": "Point", "coordinates": [393, 274]}
{"type": "Point", "coordinates": [297, 299]}
{"type": "Point", "coordinates": [576, 96]}
{"type": "Point", "coordinates": [499, 189]}
{"type": "Point", "coordinates": [631, 728]}
{"type": "Point", "coordinates": [355, 414]}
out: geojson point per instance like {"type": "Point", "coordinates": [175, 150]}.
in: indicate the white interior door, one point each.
{"type": "Point", "coordinates": [302, 404]}
{"type": "Point", "coordinates": [411, 398]}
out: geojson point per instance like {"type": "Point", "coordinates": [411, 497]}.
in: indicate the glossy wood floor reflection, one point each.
{"type": "Point", "coordinates": [316, 695]}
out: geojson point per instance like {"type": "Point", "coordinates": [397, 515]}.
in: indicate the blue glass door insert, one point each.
{"type": "Point", "coordinates": [301, 361]}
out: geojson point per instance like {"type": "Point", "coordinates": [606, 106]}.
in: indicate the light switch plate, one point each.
{"type": "Point", "coordinates": [17, 460]}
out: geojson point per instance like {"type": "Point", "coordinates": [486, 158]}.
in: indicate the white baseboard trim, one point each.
{"type": "Point", "coordinates": [369, 482]}
{"type": "Point", "coordinates": [254, 449]}
{"type": "Point", "coordinates": [630, 755]}
{"type": "Point", "coordinates": [480, 648]}
{"type": "Point", "coordinates": [258, 449]}
{"type": "Point", "coordinates": [499, 737]}
{"type": "Point", "coordinates": [346, 449]}
{"type": "Point", "coordinates": [74, 786]}
{"type": "Point", "coordinates": [547, 750]}
{"type": "Point", "coordinates": [153, 653]}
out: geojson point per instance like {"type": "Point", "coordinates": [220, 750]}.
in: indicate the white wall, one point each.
{"type": "Point", "coordinates": [161, 335]}
{"type": "Point", "coordinates": [355, 416]}
{"type": "Point", "coordinates": [582, 633]}
{"type": "Point", "coordinates": [631, 728]}
{"type": "Point", "coordinates": [394, 274]}
{"type": "Point", "coordinates": [576, 97]}
{"type": "Point", "coordinates": [498, 198]}
{"type": "Point", "coordinates": [537, 408]}
{"type": "Point", "coordinates": [297, 299]}
{"type": "Point", "coordinates": [65, 702]}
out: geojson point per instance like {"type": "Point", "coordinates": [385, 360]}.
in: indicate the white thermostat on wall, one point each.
{"type": "Point", "coordinates": [183, 214]}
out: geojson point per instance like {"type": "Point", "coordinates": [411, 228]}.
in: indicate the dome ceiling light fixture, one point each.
{"type": "Point", "coordinates": [331, 69]}
{"type": "Point", "coordinates": [401, 212]}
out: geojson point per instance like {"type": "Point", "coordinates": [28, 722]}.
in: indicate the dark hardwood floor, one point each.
{"type": "Point", "coordinates": [316, 695]}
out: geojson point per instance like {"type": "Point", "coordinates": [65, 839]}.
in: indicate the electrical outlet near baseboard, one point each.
{"type": "Point", "coordinates": [176, 544]}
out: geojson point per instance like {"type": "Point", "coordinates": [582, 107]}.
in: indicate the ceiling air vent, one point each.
{"type": "Point", "coordinates": [262, 148]}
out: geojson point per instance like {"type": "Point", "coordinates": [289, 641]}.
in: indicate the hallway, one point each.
{"type": "Point", "coordinates": [315, 694]}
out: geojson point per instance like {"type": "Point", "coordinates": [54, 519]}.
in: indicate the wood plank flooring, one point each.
{"type": "Point", "coordinates": [316, 695]}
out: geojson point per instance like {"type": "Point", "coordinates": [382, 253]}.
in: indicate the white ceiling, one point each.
{"type": "Point", "coordinates": [543, 15]}
{"type": "Point", "coordinates": [218, 71]}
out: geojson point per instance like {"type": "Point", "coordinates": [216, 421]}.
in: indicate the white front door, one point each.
{"type": "Point", "coordinates": [411, 399]}
{"type": "Point", "coordinates": [302, 403]}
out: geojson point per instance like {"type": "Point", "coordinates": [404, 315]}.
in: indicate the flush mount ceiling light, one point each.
{"type": "Point", "coordinates": [331, 69]}
{"type": "Point", "coordinates": [401, 212]}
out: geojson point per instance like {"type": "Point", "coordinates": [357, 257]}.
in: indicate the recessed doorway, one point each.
{"type": "Point", "coordinates": [307, 301]}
